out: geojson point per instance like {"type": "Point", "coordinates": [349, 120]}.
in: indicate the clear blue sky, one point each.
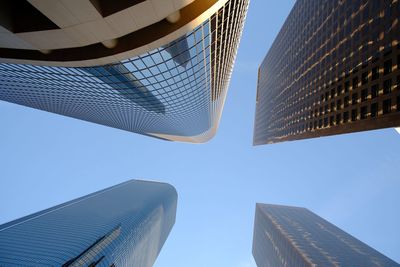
{"type": "Point", "coordinates": [351, 180]}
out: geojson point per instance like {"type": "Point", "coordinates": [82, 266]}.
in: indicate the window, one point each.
{"type": "Point", "coordinates": [331, 120]}
{"type": "Point", "coordinates": [375, 73]}
{"type": "Point", "coordinates": [354, 115]}
{"type": "Point", "coordinates": [398, 103]}
{"type": "Point", "coordinates": [346, 86]}
{"type": "Point", "coordinates": [364, 95]}
{"type": "Point", "coordinates": [338, 118]}
{"type": "Point", "coordinates": [355, 82]}
{"type": "Point", "coordinates": [398, 60]}
{"type": "Point", "coordinates": [326, 108]}
{"type": "Point", "coordinates": [388, 51]}
{"type": "Point", "coordinates": [374, 91]}
{"type": "Point", "coordinates": [339, 90]}
{"type": "Point", "coordinates": [346, 101]}
{"type": "Point", "coordinates": [332, 106]}
{"type": "Point", "coordinates": [346, 116]}
{"type": "Point", "coordinates": [338, 104]}
{"type": "Point", "coordinates": [354, 99]}
{"type": "Point", "coordinates": [387, 86]}
{"type": "Point", "coordinates": [325, 121]}
{"type": "Point", "coordinates": [387, 106]}
{"type": "Point", "coordinates": [364, 78]}
{"type": "Point", "coordinates": [363, 112]}
{"type": "Point", "coordinates": [374, 110]}
{"type": "Point", "coordinates": [332, 93]}
{"type": "Point", "coordinates": [387, 67]}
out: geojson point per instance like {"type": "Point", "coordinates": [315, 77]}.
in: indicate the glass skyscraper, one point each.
{"type": "Point", "coordinates": [290, 236]}
{"type": "Point", "coordinates": [124, 225]}
{"type": "Point", "coordinates": [158, 68]}
{"type": "Point", "coordinates": [333, 68]}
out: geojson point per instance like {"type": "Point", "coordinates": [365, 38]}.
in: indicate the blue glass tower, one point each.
{"type": "Point", "coordinates": [167, 79]}
{"type": "Point", "coordinates": [291, 236]}
{"type": "Point", "coordinates": [124, 225]}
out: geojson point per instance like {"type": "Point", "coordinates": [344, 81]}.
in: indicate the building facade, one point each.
{"type": "Point", "coordinates": [155, 67]}
{"type": "Point", "coordinates": [332, 69]}
{"type": "Point", "coordinates": [124, 225]}
{"type": "Point", "coordinates": [292, 236]}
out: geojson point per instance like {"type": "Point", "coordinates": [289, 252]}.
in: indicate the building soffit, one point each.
{"type": "Point", "coordinates": [127, 46]}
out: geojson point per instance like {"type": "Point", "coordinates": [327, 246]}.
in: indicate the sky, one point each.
{"type": "Point", "coordinates": [351, 180]}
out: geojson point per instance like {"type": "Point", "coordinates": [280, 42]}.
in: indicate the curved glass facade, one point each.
{"type": "Point", "coordinates": [124, 225]}
{"type": "Point", "coordinates": [175, 92]}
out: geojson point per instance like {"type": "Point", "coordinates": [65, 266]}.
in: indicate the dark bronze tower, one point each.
{"type": "Point", "coordinates": [332, 69]}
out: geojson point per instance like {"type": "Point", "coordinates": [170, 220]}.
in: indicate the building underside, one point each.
{"type": "Point", "coordinates": [157, 68]}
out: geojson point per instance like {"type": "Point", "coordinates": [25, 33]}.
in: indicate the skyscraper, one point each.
{"type": "Point", "coordinates": [292, 236]}
{"type": "Point", "coordinates": [124, 225]}
{"type": "Point", "coordinates": [332, 69]}
{"type": "Point", "coordinates": [155, 67]}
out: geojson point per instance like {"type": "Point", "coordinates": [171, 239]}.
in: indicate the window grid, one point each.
{"type": "Point", "coordinates": [177, 89]}
{"type": "Point", "coordinates": [327, 52]}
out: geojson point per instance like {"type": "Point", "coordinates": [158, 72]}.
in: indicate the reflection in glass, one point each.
{"type": "Point", "coordinates": [124, 82]}
{"type": "Point", "coordinates": [93, 250]}
{"type": "Point", "coordinates": [179, 51]}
